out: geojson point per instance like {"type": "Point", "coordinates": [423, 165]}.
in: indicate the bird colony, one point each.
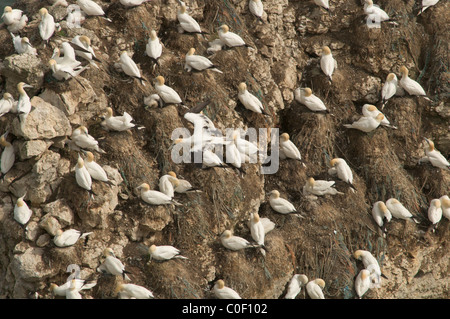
{"type": "Point", "coordinates": [95, 204]}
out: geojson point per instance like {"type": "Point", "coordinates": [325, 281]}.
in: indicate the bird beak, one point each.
{"type": "Point", "coordinates": [27, 86]}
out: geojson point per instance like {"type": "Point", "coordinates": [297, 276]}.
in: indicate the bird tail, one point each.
{"type": "Point", "coordinates": [176, 203]}
{"type": "Point", "coordinates": [181, 257]}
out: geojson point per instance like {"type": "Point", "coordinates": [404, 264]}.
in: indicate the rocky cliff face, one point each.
{"type": "Point", "coordinates": [285, 56]}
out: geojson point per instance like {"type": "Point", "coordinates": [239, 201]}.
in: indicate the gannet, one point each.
{"type": "Point", "coordinates": [187, 23]}
{"type": "Point", "coordinates": [411, 86]}
{"type": "Point", "coordinates": [112, 265]}
{"type": "Point", "coordinates": [433, 156]}
{"type": "Point", "coordinates": [14, 19]}
{"type": "Point", "coordinates": [426, 4]}
{"type": "Point", "coordinates": [180, 185]}
{"type": "Point", "coordinates": [233, 156]}
{"type": "Point", "coordinates": [167, 94]}
{"type": "Point", "coordinates": [47, 25]}
{"type": "Point", "coordinates": [22, 213]}
{"type": "Point", "coordinates": [80, 284]}
{"type": "Point", "coordinates": [8, 156]}
{"type": "Point", "coordinates": [68, 237]}
{"type": "Point", "coordinates": [75, 17]}
{"type": "Point", "coordinates": [211, 159]}
{"type": "Point", "coordinates": [198, 62]}
{"type": "Point", "coordinates": [6, 103]}
{"type": "Point", "coordinates": [199, 120]}
{"type": "Point", "coordinates": [92, 9]}
{"type": "Point", "coordinates": [82, 46]}
{"type": "Point", "coordinates": [117, 123]}
{"type": "Point", "coordinates": [23, 104]}
{"type": "Point", "coordinates": [371, 110]}
{"type": "Point", "coordinates": [164, 252]}
{"type": "Point", "coordinates": [343, 171]}
{"type": "Point", "coordinates": [288, 148]}
{"type": "Point", "coordinates": [257, 231]}
{"type": "Point", "coordinates": [82, 176]}
{"type": "Point", "coordinates": [95, 170]}
{"type": "Point", "coordinates": [311, 101]}
{"type": "Point", "coordinates": [223, 292]}
{"type": "Point", "coordinates": [370, 263]}
{"type": "Point", "coordinates": [250, 101]}
{"type": "Point", "coordinates": [153, 48]}
{"type": "Point", "coordinates": [389, 88]}
{"type": "Point", "coordinates": [153, 197]}
{"type": "Point", "coordinates": [249, 151]}
{"type": "Point", "coordinates": [64, 71]}
{"type": "Point", "coordinates": [398, 210]}
{"type": "Point", "coordinates": [445, 204]}
{"type": "Point", "coordinates": [230, 39]}
{"type": "Point", "coordinates": [435, 212]}
{"type": "Point", "coordinates": [130, 68]}
{"type": "Point", "coordinates": [235, 243]}
{"type": "Point", "coordinates": [323, 3]}
{"type": "Point", "coordinates": [166, 186]}
{"type": "Point", "coordinates": [295, 286]}
{"type": "Point", "coordinates": [23, 45]}
{"type": "Point", "coordinates": [366, 123]}
{"type": "Point", "coordinates": [314, 288]}
{"type": "Point", "coordinates": [328, 64]}
{"type": "Point", "coordinates": [128, 291]}
{"type": "Point", "coordinates": [82, 138]}
{"type": "Point", "coordinates": [133, 3]}
{"type": "Point", "coordinates": [73, 292]}
{"type": "Point", "coordinates": [362, 282]}
{"type": "Point", "coordinates": [257, 9]}
{"type": "Point", "coordinates": [381, 214]}
{"type": "Point", "coordinates": [281, 205]}
{"type": "Point", "coordinates": [152, 100]}
{"type": "Point", "coordinates": [375, 12]}
{"type": "Point", "coordinates": [69, 58]}
{"type": "Point", "coordinates": [320, 187]}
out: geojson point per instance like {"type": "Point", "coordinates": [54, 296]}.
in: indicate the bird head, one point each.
{"type": "Point", "coordinates": [86, 41]}
{"type": "Point", "coordinates": [390, 77]}
{"type": "Point", "coordinates": [224, 28]}
{"type": "Point", "coordinates": [334, 161]}
{"type": "Point", "coordinates": [220, 284]}
{"type": "Point", "coordinates": [307, 92]}
{"type": "Point", "coordinates": [284, 137]}
{"type": "Point", "coordinates": [144, 187]}
{"type": "Point", "coordinates": [191, 51]}
{"type": "Point", "coordinates": [326, 50]}
{"type": "Point", "coordinates": [379, 117]}
{"type": "Point", "coordinates": [159, 80]}
{"type": "Point", "coordinates": [43, 12]}
{"type": "Point", "coordinates": [274, 194]}
{"type": "Point", "coordinates": [242, 87]}
{"type": "Point", "coordinates": [404, 71]}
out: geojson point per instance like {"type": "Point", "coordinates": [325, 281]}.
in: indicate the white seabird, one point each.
{"type": "Point", "coordinates": [256, 7]}
{"type": "Point", "coordinates": [257, 231]}
{"type": "Point", "coordinates": [130, 68]}
{"type": "Point", "coordinates": [319, 187]}
{"type": "Point", "coordinates": [73, 292]}
{"type": "Point", "coordinates": [372, 110]}
{"type": "Point", "coordinates": [8, 156]}
{"type": "Point", "coordinates": [82, 176]}
{"type": "Point", "coordinates": [375, 13]}
{"type": "Point", "coordinates": [198, 62]}
{"type": "Point", "coordinates": [381, 214]}
{"type": "Point", "coordinates": [311, 101]}
{"type": "Point", "coordinates": [6, 103]}
{"type": "Point", "coordinates": [68, 237]}
{"type": "Point", "coordinates": [112, 265]}
{"type": "Point", "coordinates": [167, 94]}
{"type": "Point", "coordinates": [445, 204]}
{"type": "Point", "coordinates": [181, 185]}
{"type": "Point", "coordinates": [187, 23]}
{"type": "Point", "coordinates": [14, 19]}
{"type": "Point", "coordinates": [153, 197]}
{"type": "Point", "coordinates": [370, 263]}
{"type": "Point", "coordinates": [411, 86]}
{"type": "Point", "coordinates": [230, 39]}
{"type": "Point", "coordinates": [153, 48]}
{"type": "Point", "coordinates": [398, 210]}
{"type": "Point", "coordinates": [22, 213]}
{"type": "Point", "coordinates": [323, 3]}
{"type": "Point", "coordinates": [23, 45]}
{"type": "Point", "coordinates": [64, 71]}
{"type": "Point", "coordinates": [164, 252]}
{"type": "Point", "coordinates": [92, 9]}
{"type": "Point", "coordinates": [366, 123]}
{"type": "Point", "coordinates": [328, 63]}
{"type": "Point", "coordinates": [295, 286]}
{"type": "Point", "coordinates": [426, 4]}
{"type": "Point", "coordinates": [342, 170]}
{"type": "Point", "coordinates": [117, 123]}
{"type": "Point", "coordinates": [223, 292]}
{"type": "Point", "coordinates": [433, 156]}
{"type": "Point", "coordinates": [250, 101]}
{"type": "Point", "coordinates": [80, 284]}
{"type": "Point", "coordinates": [288, 148]}
{"type": "Point", "coordinates": [75, 17]}
{"type": "Point", "coordinates": [235, 243]}
{"type": "Point", "coordinates": [389, 88]}
{"type": "Point", "coordinates": [435, 212]}
{"type": "Point", "coordinates": [132, 291]}
{"type": "Point", "coordinates": [82, 138]}
{"type": "Point", "coordinates": [82, 46]}
{"type": "Point", "coordinates": [362, 282]}
{"type": "Point", "coordinates": [166, 186]}
{"type": "Point", "coordinates": [95, 170]}
{"type": "Point", "coordinates": [314, 288]}
{"type": "Point", "coordinates": [47, 25]}
{"type": "Point", "coordinates": [281, 205]}
{"type": "Point", "coordinates": [132, 3]}
{"type": "Point", "coordinates": [23, 104]}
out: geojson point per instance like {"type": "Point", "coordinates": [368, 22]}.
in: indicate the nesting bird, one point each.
{"type": "Point", "coordinates": [198, 62]}
{"type": "Point", "coordinates": [92, 9]}
{"type": "Point", "coordinates": [381, 214]}
{"type": "Point", "coordinates": [288, 148]}
{"type": "Point", "coordinates": [153, 48]}
{"type": "Point", "coordinates": [328, 63]}
{"type": "Point", "coordinates": [323, 3]}
{"type": "Point", "coordinates": [362, 282]}
{"type": "Point", "coordinates": [250, 101]}
{"type": "Point", "coordinates": [314, 288]}
{"type": "Point", "coordinates": [23, 45]}
{"type": "Point", "coordinates": [112, 265]}
{"type": "Point", "coordinates": [340, 167]}
{"type": "Point", "coordinates": [82, 138]}
{"type": "Point", "coordinates": [311, 101]}
{"type": "Point", "coordinates": [256, 7]}
{"type": "Point", "coordinates": [370, 263]}
{"type": "Point", "coordinates": [166, 93]}
{"type": "Point", "coordinates": [23, 104]}
{"type": "Point", "coordinates": [230, 39]}
{"type": "Point", "coordinates": [181, 185]}
{"type": "Point", "coordinates": [80, 284]}
{"type": "Point", "coordinates": [153, 197]}
{"type": "Point", "coordinates": [6, 103]}
{"type": "Point", "coordinates": [445, 204]}
{"type": "Point", "coordinates": [82, 176]}
{"type": "Point", "coordinates": [8, 156]}
{"type": "Point", "coordinates": [73, 292]}
{"type": "Point", "coordinates": [129, 291]}
{"type": "Point", "coordinates": [130, 68]}
{"type": "Point", "coordinates": [117, 123]}
{"type": "Point", "coordinates": [281, 205]}
{"type": "Point", "coordinates": [372, 111]}
{"type": "Point", "coordinates": [22, 213]}
{"type": "Point", "coordinates": [389, 89]}
{"type": "Point", "coordinates": [69, 237]}
{"type": "Point", "coordinates": [399, 211]}
{"type": "Point", "coordinates": [411, 86]}
{"type": "Point", "coordinates": [64, 71]}
{"type": "Point", "coordinates": [435, 212]}
{"type": "Point", "coordinates": [366, 124]}
{"type": "Point", "coordinates": [14, 19]}
{"type": "Point", "coordinates": [187, 23]}
{"type": "Point", "coordinates": [47, 25]}
{"type": "Point", "coordinates": [235, 243]}
{"type": "Point", "coordinates": [223, 292]}
{"type": "Point", "coordinates": [82, 47]}
{"type": "Point", "coordinates": [426, 4]}
{"type": "Point", "coordinates": [319, 187]}
{"type": "Point", "coordinates": [166, 186]}
{"type": "Point", "coordinates": [132, 3]}
{"type": "Point", "coordinates": [295, 286]}
{"type": "Point", "coordinates": [433, 156]}
{"type": "Point", "coordinates": [164, 252]}
{"type": "Point", "coordinates": [257, 231]}
{"type": "Point", "coordinates": [374, 13]}
{"type": "Point", "coordinates": [95, 170]}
